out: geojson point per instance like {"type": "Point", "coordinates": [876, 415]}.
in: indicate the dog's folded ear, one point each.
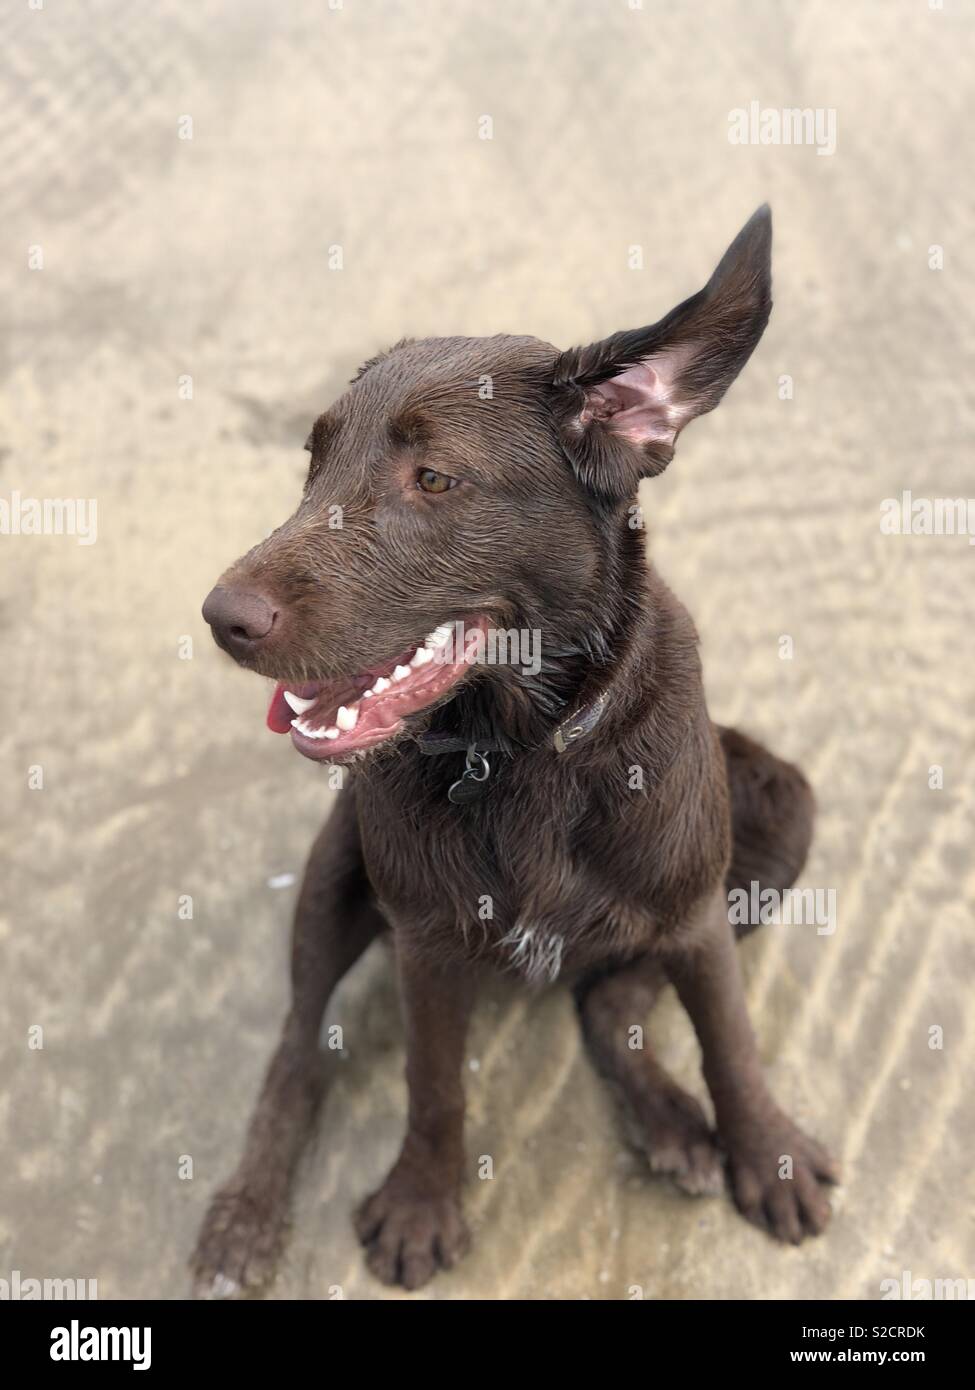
{"type": "Point", "coordinates": [621, 403]}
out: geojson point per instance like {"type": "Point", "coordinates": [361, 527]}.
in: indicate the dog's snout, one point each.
{"type": "Point", "coordinates": [239, 618]}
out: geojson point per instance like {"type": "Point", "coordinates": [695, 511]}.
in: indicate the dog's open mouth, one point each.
{"type": "Point", "coordinates": [329, 719]}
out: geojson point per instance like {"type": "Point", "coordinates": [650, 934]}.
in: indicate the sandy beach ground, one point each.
{"type": "Point", "coordinates": [165, 259]}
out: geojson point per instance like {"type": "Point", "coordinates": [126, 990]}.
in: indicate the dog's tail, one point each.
{"type": "Point", "coordinates": [772, 814]}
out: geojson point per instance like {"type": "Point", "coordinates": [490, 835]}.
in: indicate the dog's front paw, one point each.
{"type": "Point", "coordinates": [779, 1178]}
{"type": "Point", "coordinates": [239, 1242]}
{"type": "Point", "coordinates": [409, 1232]}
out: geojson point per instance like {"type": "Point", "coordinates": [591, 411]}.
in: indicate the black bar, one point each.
{"type": "Point", "coordinates": [736, 1337]}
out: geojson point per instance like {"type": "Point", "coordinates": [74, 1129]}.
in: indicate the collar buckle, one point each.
{"type": "Point", "coordinates": [583, 721]}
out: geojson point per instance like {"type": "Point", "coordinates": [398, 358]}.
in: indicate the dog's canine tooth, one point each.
{"type": "Point", "coordinates": [421, 656]}
{"type": "Point", "coordinates": [347, 718]}
{"type": "Point", "coordinates": [400, 673]}
{"type": "Point", "coordinates": [439, 637]}
{"type": "Point", "coordinates": [296, 702]}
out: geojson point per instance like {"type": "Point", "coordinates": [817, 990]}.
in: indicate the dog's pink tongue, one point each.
{"type": "Point", "coordinates": [279, 712]}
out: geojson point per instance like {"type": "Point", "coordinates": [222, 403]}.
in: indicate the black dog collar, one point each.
{"type": "Point", "coordinates": [473, 779]}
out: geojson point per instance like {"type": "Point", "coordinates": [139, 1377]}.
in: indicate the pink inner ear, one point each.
{"type": "Point", "coordinates": [638, 405]}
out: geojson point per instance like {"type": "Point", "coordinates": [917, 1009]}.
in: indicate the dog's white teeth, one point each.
{"type": "Point", "coordinates": [306, 729]}
{"type": "Point", "coordinates": [297, 703]}
{"type": "Point", "coordinates": [400, 673]}
{"type": "Point", "coordinates": [381, 684]}
{"type": "Point", "coordinates": [421, 656]}
{"type": "Point", "coordinates": [347, 718]}
{"type": "Point", "coordinates": [440, 636]}
{"type": "Point", "coordinates": [330, 733]}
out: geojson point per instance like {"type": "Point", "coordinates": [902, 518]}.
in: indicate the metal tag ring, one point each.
{"type": "Point", "coordinates": [473, 759]}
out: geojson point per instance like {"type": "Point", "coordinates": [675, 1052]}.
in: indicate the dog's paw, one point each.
{"type": "Point", "coordinates": [409, 1235]}
{"type": "Point", "coordinates": [779, 1178]}
{"type": "Point", "coordinates": [239, 1243]}
{"type": "Point", "coordinates": [671, 1129]}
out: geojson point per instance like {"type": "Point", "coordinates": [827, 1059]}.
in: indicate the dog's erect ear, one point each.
{"type": "Point", "coordinates": [621, 403]}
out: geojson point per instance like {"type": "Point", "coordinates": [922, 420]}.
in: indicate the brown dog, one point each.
{"type": "Point", "coordinates": [566, 812]}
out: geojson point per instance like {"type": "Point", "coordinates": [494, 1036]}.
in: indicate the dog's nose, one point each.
{"type": "Point", "coordinates": [239, 618]}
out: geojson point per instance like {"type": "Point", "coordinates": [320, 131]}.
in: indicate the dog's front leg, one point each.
{"type": "Point", "coordinates": [335, 920]}
{"type": "Point", "coordinates": [414, 1223]}
{"type": "Point", "coordinates": [777, 1172]}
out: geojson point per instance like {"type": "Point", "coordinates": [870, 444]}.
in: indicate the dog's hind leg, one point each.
{"type": "Point", "coordinates": [335, 920]}
{"type": "Point", "coordinates": [772, 822]}
{"type": "Point", "coordinates": [772, 813]}
{"type": "Point", "coordinates": [661, 1118]}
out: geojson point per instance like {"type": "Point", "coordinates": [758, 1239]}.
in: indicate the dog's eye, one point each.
{"type": "Point", "coordinates": [429, 480]}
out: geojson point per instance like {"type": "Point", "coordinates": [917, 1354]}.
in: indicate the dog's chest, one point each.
{"type": "Point", "coordinates": [515, 880]}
